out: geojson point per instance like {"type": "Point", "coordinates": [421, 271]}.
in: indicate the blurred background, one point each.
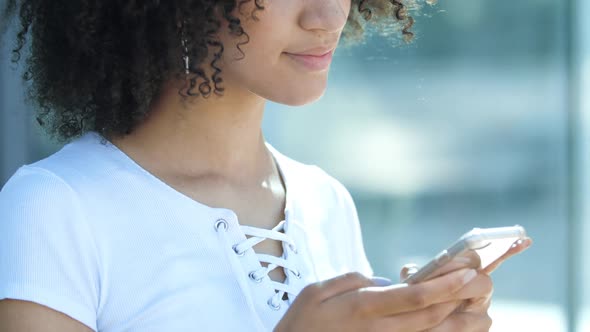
{"type": "Point", "coordinates": [482, 121]}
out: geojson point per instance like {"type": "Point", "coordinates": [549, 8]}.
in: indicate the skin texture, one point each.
{"type": "Point", "coordinates": [212, 150]}
{"type": "Point", "coordinates": [25, 316]}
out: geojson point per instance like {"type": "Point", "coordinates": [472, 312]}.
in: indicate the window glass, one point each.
{"type": "Point", "coordinates": [465, 127]}
{"type": "Point", "coordinates": [584, 159]}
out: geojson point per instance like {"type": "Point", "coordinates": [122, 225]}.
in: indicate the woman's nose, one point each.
{"type": "Point", "coordinates": [326, 15]}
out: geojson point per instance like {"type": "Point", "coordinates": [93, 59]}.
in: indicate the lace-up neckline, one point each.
{"type": "Point", "coordinates": [258, 235]}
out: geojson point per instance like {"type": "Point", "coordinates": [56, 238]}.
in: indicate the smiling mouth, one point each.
{"type": "Point", "coordinates": [312, 62]}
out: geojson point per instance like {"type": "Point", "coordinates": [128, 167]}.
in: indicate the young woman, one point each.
{"type": "Point", "coordinates": [167, 210]}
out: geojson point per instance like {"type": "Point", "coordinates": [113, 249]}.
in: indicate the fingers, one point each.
{"type": "Point", "coordinates": [477, 295]}
{"type": "Point", "coordinates": [417, 320]}
{"type": "Point", "coordinates": [517, 248]}
{"type": "Point", "coordinates": [473, 259]}
{"type": "Point", "coordinates": [332, 287]}
{"type": "Point", "coordinates": [469, 259]}
{"type": "Point", "coordinates": [464, 321]}
{"type": "Point", "coordinates": [480, 287]}
{"type": "Point", "coordinates": [478, 305]}
{"type": "Point", "coordinates": [401, 298]}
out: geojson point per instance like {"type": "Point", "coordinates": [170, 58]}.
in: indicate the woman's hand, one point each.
{"type": "Point", "coordinates": [351, 303]}
{"type": "Point", "coordinates": [475, 306]}
{"type": "Point", "coordinates": [471, 260]}
{"type": "Point", "coordinates": [471, 314]}
{"type": "Point", "coordinates": [517, 248]}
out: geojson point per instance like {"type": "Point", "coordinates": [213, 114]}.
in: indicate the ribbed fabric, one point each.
{"type": "Point", "coordinates": [90, 233]}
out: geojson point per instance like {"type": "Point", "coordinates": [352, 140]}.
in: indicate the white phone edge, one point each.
{"type": "Point", "coordinates": [472, 240]}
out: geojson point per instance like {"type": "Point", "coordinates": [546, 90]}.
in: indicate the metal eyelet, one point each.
{"type": "Point", "coordinates": [272, 305]}
{"type": "Point", "coordinates": [235, 248]}
{"type": "Point", "coordinates": [253, 277]}
{"type": "Point", "coordinates": [221, 223]}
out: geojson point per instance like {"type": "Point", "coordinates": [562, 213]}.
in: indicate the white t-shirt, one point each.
{"type": "Point", "coordinates": [90, 233]}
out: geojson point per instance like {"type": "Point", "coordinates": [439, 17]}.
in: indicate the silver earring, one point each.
{"type": "Point", "coordinates": [185, 58]}
{"type": "Point", "coordinates": [185, 54]}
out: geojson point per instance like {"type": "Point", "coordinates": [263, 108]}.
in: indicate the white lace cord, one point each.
{"type": "Point", "coordinates": [259, 235]}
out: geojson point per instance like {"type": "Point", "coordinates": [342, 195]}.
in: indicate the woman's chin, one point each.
{"type": "Point", "coordinates": [299, 96]}
{"type": "Point", "coordinates": [299, 101]}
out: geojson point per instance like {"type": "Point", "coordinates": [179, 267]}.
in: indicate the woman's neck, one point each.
{"type": "Point", "coordinates": [209, 136]}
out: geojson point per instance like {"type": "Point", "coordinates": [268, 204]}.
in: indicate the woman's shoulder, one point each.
{"type": "Point", "coordinates": [86, 155]}
{"type": "Point", "coordinates": [48, 250]}
{"type": "Point", "coordinates": [34, 195]}
{"type": "Point", "coordinates": [78, 163]}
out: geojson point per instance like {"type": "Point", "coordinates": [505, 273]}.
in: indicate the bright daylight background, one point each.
{"type": "Point", "coordinates": [480, 122]}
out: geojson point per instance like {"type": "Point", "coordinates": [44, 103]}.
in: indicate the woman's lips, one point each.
{"type": "Point", "coordinates": [313, 62]}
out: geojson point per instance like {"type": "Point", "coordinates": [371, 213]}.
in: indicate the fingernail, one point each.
{"type": "Point", "coordinates": [381, 281]}
{"type": "Point", "coordinates": [469, 276]}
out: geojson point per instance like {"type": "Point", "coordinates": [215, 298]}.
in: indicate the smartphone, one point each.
{"type": "Point", "coordinates": [489, 243]}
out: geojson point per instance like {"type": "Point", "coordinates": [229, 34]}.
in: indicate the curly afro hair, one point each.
{"type": "Point", "coordinates": [97, 65]}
